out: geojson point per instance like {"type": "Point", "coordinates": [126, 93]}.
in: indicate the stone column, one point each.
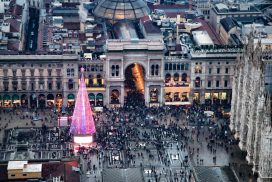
{"type": "Point", "coordinates": [19, 84]}
{"type": "Point", "coordinates": [107, 96]}
{"type": "Point", "coordinates": [122, 94]}
{"type": "Point", "coordinates": [161, 96]}
{"type": "Point", "coordinates": [146, 94]}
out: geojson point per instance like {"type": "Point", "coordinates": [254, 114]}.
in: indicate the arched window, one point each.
{"type": "Point", "coordinates": [197, 82]}
{"type": "Point", "coordinates": [117, 70]}
{"type": "Point", "coordinates": [184, 77]}
{"type": "Point", "coordinates": [154, 95]}
{"type": "Point", "coordinates": [176, 77]}
{"type": "Point", "coordinates": [157, 70]}
{"type": "Point", "coordinates": [115, 96]}
{"type": "Point", "coordinates": [167, 78]}
{"type": "Point", "coordinates": [70, 84]}
{"type": "Point", "coordinates": [99, 80]}
{"type": "Point", "coordinates": [68, 72]}
{"type": "Point", "coordinates": [152, 70]}
{"type": "Point", "coordinates": [90, 83]}
{"type": "Point", "coordinates": [99, 99]}
{"type": "Point", "coordinates": [113, 70]}
{"type": "Point", "coordinates": [72, 72]}
{"type": "Point", "coordinates": [198, 69]}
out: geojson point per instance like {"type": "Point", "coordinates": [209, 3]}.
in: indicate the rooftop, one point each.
{"type": "Point", "coordinates": [33, 168]}
{"type": "Point", "coordinates": [14, 165]}
{"type": "Point", "coordinates": [202, 38]}
{"type": "Point", "coordinates": [121, 9]}
{"type": "Point", "coordinates": [235, 9]}
{"type": "Point", "coordinates": [207, 27]}
{"type": "Point", "coordinates": [228, 23]}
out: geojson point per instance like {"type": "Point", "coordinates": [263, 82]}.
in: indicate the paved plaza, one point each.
{"type": "Point", "coordinates": [157, 144]}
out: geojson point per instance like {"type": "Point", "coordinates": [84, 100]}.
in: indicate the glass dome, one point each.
{"type": "Point", "coordinates": [121, 9]}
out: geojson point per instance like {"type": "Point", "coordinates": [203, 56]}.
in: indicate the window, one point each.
{"type": "Point", "coordinates": [166, 66]}
{"type": "Point", "coordinates": [72, 72]}
{"type": "Point", "coordinates": [218, 70]}
{"type": "Point", "coordinates": [187, 66]}
{"type": "Point", "coordinates": [210, 70]}
{"type": "Point", "coordinates": [178, 67]}
{"type": "Point", "coordinates": [24, 174]}
{"type": "Point", "coordinates": [197, 82]}
{"type": "Point", "coordinates": [14, 72]}
{"type": "Point", "coordinates": [157, 70]}
{"type": "Point", "coordinates": [32, 73]}
{"type": "Point", "coordinates": [58, 72]}
{"type": "Point", "coordinates": [209, 83]}
{"type": "Point", "coordinates": [23, 73]}
{"type": "Point", "coordinates": [176, 77]}
{"type": "Point", "coordinates": [49, 72]}
{"type": "Point", "coordinates": [182, 66]}
{"type": "Point", "coordinates": [198, 69]}
{"type": "Point", "coordinates": [70, 84]}
{"type": "Point", "coordinates": [167, 78]}
{"type": "Point", "coordinates": [113, 70]}
{"type": "Point", "coordinates": [58, 85]}
{"type": "Point", "coordinates": [227, 70]}
{"type": "Point", "coordinates": [170, 66]}
{"type": "Point", "coordinates": [227, 62]}
{"type": "Point", "coordinates": [99, 77]}
{"type": "Point", "coordinates": [5, 72]}
{"type": "Point", "coordinates": [49, 86]}
{"type": "Point", "coordinates": [184, 77]}
{"type": "Point", "coordinates": [23, 85]}
{"type": "Point", "coordinates": [226, 83]}
{"type": "Point", "coordinates": [174, 66]}
{"type": "Point", "coordinates": [217, 83]}
{"type": "Point", "coordinates": [32, 86]}
{"type": "Point", "coordinates": [12, 175]}
{"type": "Point", "coordinates": [6, 84]}
{"type": "Point", "coordinates": [117, 70]}
{"type": "Point", "coordinates": [152, 70]}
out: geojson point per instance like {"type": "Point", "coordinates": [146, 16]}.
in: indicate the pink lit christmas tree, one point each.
{"type": "Point", "coordinates": [82, 119]}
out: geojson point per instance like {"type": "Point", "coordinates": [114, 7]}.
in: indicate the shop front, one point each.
{"type": "Point", "coordinates": [7, 102]}
{"type": "Point", "coordinates": [16, 100]}
{"type": "Point", "coordinates": [50, 100]}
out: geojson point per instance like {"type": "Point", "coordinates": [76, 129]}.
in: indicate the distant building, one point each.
{"type": "Point", "coordinates": [220, 11]}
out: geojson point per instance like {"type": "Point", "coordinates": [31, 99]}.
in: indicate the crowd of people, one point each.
{"type": "Point", "coordinates": [135, 129]}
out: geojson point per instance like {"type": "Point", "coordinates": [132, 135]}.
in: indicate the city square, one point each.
{"type": "Point", "coordinates": [136, 91]}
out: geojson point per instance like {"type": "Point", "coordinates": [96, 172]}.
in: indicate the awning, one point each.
{"type": "Point", "coordinates": [71, 97]}
{"type": "Point", "coordinates": [6, 97]}
{"type": "Point", "coordinates": [99, 96]}
{"type": "Point", "coordinates": [50, 97]}
{"type": "Point", "coordinates": [91, 96]}
{"type": "Point", "coordinates": [15, 97]}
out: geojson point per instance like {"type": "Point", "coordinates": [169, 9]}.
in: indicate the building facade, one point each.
{"type": "Point", "coordinates": [123, 53]}
{"type": "Point", "coordinates": [251, 109]}
{"type": "Point", "coordinates": [212, 75]}
{"type": "Point", "coordinates": [38, 80]}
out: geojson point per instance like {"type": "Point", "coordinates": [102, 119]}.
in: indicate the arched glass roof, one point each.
{"type": "Point", "coordinates": [121, 9]}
